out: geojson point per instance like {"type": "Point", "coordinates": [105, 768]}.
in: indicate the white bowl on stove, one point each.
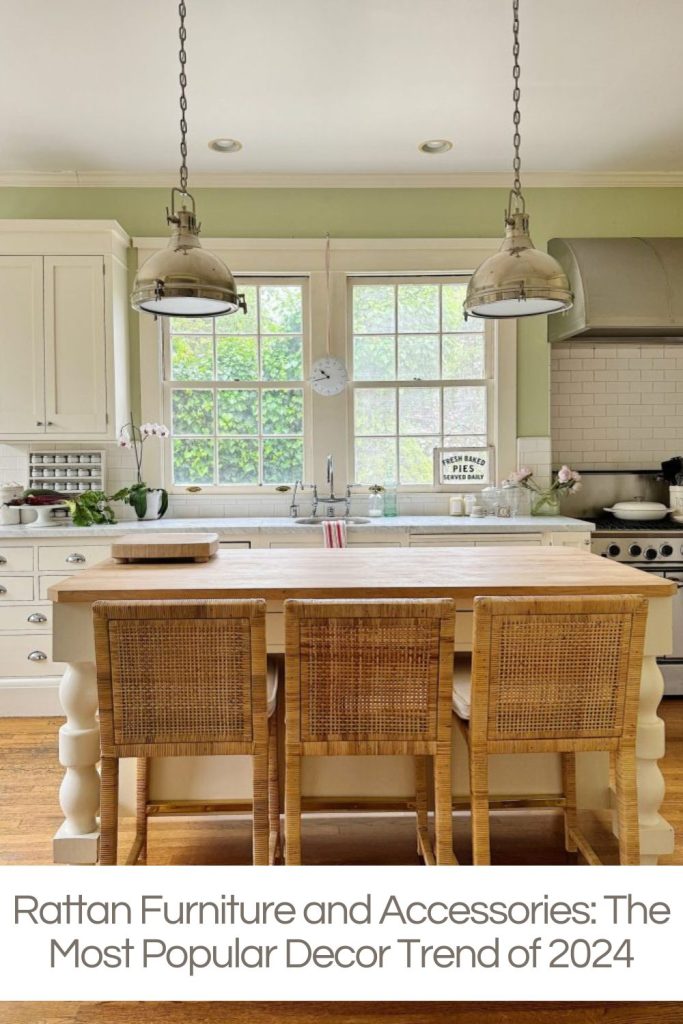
{"type": "Point", "coordinates": [639, 511]}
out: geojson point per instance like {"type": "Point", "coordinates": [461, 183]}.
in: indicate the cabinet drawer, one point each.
{"type": "Point", "coordinates": [46, 581]}
{"type": "Point", "coordinates": [441, 540]}
{"type": "Point", "coordinates": [36, 618]}
{"type": "Point", "coordinates": [16, 559]}
{"type": "Point", "coordinates": [16, 588]}
{"type": "Point", "coordinates": [16, 652]}
{"type": "Point", "coordinates": [72, 557]}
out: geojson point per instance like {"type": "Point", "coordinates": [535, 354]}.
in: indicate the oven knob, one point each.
{"type": "Point", "coordinates": [635, 550]}
{"type": "Point", "coordinates": [613, 550]}
{"type": "Point", "coordinates": [650, 554]}
{"type": "Point", "coordinates": [666, 550]}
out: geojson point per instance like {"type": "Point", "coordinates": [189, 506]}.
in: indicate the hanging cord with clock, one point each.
{"type": "Point", "coordinates": [328, 374]}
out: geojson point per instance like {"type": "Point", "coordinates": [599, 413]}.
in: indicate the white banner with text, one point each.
{"type": "Point", "coordinates": [406, 933]}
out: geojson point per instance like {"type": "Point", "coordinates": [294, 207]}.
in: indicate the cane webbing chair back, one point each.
{"type": "Point", "coordinates": [183, 678]}
{"type": "Point", "coordinates": [369, 672]}
{"type": "Point", "coordinates": [371, 678]}
{"type": "Point", "coordinates": [557, 674]}
{"type": "Point", "coordinates": [565, 668]}
{"type": "Point", "coordinates": [180, 677]}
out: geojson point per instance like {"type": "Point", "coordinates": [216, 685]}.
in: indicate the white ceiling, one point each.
{"type": "Point", "coordinates": [341, 86]}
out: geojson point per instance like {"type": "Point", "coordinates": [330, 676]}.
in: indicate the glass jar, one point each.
{"type": "Point", "coordinates": [490, 499]}
{"type": "Point", "coordinates": [545, 503]}
{"type": "Point", "coordinates": [390, 499]}
{"type": "Point", "coordinates": [375, 504]}
{"type": "Point", "coordinates": [519, 500]}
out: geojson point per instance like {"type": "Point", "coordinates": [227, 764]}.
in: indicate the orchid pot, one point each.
{"type": "Point", "coordinates": [148, 502]}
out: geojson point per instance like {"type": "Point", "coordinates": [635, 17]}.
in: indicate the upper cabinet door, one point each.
{"type": "Point", "coordinates": [22, 377]}
{"type": "Point", "coordinates": [75, 349]}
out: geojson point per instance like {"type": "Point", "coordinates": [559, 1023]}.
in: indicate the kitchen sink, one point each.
{"type": "Point", "coordinates": [316, 520]}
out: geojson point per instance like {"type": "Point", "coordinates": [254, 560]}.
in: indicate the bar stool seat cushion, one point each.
{"type": "Point", "coordinates": [462, 687]}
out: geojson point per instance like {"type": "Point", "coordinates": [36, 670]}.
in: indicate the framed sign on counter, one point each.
{"type": "Point", "coordinates": [463, 468]}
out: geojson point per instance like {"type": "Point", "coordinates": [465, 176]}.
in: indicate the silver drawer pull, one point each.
{"type": "Point", "coordinates": [75, 558]}
{"type": "Point", "coordinates": [37, 656]}
{"type": "Point", "coordinates": [3, 590]}
{"type": "Point", "coordinates": [3, 560]}
{"type": "Point", "coordinates": [37, 617]}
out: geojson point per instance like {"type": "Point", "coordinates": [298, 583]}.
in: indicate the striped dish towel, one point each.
{"type": "Point", "coordinates": [334, 533]}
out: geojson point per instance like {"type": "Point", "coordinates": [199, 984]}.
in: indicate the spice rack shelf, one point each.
{"type": "Point", "coordinates": [70, 472]}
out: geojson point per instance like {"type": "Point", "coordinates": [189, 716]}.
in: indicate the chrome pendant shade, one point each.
{"type": "Point", "coordinates": [518, 280]}
{"type": "Point", "coordinates": [184, 279]}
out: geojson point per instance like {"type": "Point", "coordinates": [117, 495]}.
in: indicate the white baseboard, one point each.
{"type": "Point", "coordinates": [34, 698]}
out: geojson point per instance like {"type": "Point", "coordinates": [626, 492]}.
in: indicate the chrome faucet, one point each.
{"type": "Point", "coordinates": [330, 501]}
{"type": "Point", "coordinates": [330, 475]}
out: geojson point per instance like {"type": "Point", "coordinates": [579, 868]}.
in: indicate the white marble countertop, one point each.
{"type": "Point", "coordinates": [235, 527]}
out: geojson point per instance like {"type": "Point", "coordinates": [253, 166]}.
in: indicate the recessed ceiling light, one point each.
{"type": "Point", "coordinates": [225, 145]}
{"type": "Point", "coordinates": [433, 146]}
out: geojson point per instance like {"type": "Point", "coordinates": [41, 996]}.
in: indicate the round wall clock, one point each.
{"type": "Point", "coordinates": [328, 376]}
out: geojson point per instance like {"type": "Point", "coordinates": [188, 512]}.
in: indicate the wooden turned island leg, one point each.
{"type": "Point", "coordinates": [77, 840]}
{"type": "Point", "coordinates": [656, 834]}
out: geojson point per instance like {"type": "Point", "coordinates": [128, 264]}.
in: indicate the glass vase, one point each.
{"type": "Point", "coordinates": [545, 503]}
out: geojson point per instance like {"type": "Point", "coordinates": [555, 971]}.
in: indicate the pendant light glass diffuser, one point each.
{"type": "Point", "coordinates": [518, 280]}
{"type": "Point", "coordinates": [184, 279]}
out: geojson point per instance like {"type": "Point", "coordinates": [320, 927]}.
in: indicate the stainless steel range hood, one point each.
{"type": "Point", "coordinates": [630, 288]}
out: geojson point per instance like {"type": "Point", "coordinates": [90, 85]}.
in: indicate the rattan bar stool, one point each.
{"type": "Point", "coordinates": [554, 675]}
{"type": "Point", "coordinates": [371, 677]}
{"type": "Point", "coordinates": [184, 678]}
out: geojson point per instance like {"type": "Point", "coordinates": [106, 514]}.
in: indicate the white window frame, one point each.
{"type": "Point", "coordinates": [257, 385]}
{"type": "Point", "coordinates": [327, 419]}
{"type": "Point", "coordinates": [488, 382]}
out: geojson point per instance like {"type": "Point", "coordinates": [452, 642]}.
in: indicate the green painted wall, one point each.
{"type": "Point", "coordinates": [383, 213]}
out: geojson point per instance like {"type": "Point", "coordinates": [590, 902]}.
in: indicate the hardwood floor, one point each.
{"type": "Point", "coordinates": [341, 1013]}
{"type": "Point", "coordinates": [30, 776]}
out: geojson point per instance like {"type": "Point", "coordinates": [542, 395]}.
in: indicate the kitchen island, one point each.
{"type": "Point", "coordinates": [459, 573]}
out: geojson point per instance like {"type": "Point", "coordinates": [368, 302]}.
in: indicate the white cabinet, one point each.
{"type": "Point", "coordinates": [75, 347]}
{"type": "Point", "coordinates": [479, 540]}
{"type": "Point", "coordinates": [22, 390]}
{"type": "Point", "coordinates": [64, 343]}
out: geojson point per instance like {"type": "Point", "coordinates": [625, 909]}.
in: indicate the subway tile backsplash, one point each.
{"type": "Point", "coordinates": [616, 405]}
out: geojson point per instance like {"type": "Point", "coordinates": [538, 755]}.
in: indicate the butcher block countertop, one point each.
{"type": "Point", "coordinates": [277, 574]}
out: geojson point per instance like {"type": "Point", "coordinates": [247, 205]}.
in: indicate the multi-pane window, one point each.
{"type": "Point", "coordinates": [421, 376]}
{"type": "Point", "coordinates": [235, 391]}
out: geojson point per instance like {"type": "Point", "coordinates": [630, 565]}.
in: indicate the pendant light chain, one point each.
{"type": "Point", "coordinates": [516, 94]}
{"type": "Point", "coordinates": [182, 78]}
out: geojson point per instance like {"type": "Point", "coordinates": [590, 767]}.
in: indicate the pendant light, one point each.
{"type": "Point", "coordinates": [519, 280]}
{"type": "Point", "coordinates": [184, 279]}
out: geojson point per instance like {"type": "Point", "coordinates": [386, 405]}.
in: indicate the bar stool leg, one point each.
{"type": "Point", "coordinates": [479, 789]}
{"type": "Point", "coordinates": [273, 793]}
{"type": "Point", "coordinates": [627, 806]}
{"type": "Point", "coordinates": [443, 806]}
{"type": "Point", "coordinates": [109, 809]}
{"type": "Point", "coordinates": [139, 851]}
{"type": "Point", "coordinates": [569, 790]}
{"type": "Point", "coordinates": [422, 809]}
{"type": "Point", "coordinates": [292, 805]}
{"type": "Point", "coordinates": [260, 804]}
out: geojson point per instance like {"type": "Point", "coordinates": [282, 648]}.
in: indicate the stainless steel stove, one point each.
{"type": "Point", "coordinates": [655, 546]}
